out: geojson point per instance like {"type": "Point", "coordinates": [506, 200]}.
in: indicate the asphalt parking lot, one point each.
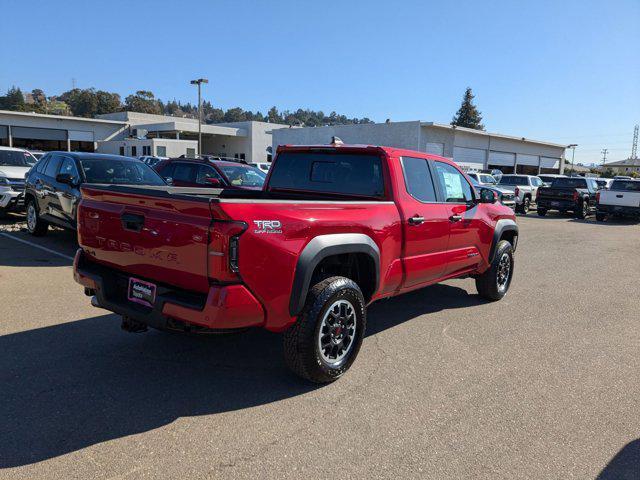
{"type": "Point", "coordinates": [543, 384]}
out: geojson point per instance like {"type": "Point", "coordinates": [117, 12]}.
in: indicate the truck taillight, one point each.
{"type": "Point", "coordinates": [516, 192]}
{"type": "Point", "coordinates": [598, 197]}
{"type": "Point", "coordinates": [224, 250]}
{"type": "Point", "coordinates": [575, 196]}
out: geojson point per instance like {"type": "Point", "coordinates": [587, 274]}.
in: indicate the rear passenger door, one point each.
{"type": "Point", "coordinates": [467, 231]}
{"type": "Point", "coordinates": [425, 224]}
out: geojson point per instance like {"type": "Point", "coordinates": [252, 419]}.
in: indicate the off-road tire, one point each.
{"type": "Point", "coordinates": [583, 211]}
{"type": "Point", "coordinates": [487, 283]}
{"type": "Point", "coordinates": [301, 351]}
{"type": "Point", "coordinates": [37, 227]}
{"type": "Point", "coordinates": [601, 217]}
{"type": "Point", "coordinates": [542, 212]}
{"type": "Point", "coordinates": [525, 206]}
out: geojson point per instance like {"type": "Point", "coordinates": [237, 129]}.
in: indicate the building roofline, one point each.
{"type": "Point", "coordinates": [629, 162]}
{"type": "Point", "coordinates": [495, 135]}
{"type": "Point", "coordinates": [61, 117]}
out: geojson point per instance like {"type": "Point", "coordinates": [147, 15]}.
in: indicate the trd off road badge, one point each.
{"type": "Point", "coordinates": [268, 226]}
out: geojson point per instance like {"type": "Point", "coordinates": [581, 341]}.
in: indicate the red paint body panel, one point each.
{"type": "Point", "coordinates": [231, 306]}
{"type": "Point", "coordinates": [180, 243]}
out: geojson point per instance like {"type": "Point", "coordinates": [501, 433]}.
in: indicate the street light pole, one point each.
{"type": "Point", "coordinates": [573, 154]}
{"type": "Point", "coordinates": [199, 82]}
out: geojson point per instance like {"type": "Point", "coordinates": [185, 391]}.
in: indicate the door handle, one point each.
{"type": "Point", "coordinates": [455, 218]}
{"type": "Point", "coordinates": [416, 220]}
{"type": "Point", "coordinates": [132, 222]}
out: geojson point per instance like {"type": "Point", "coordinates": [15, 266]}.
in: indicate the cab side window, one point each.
{"type": "Point", "coordinates": [185, 172]}
{"type": "Point", "coordinates": [417, 178]}
{"type": "Point", "coordinates": [52, 167]}
{"type": "Point", "coordinates": [453, 184]}
{"type": "Point", "coordinates": [205, 172]}
{"type": "Point", "coordinates": [41, 163]}
{"type": "Point", "coordinates": [69, 166]}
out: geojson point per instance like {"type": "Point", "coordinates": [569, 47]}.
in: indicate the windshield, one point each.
{"type": "Point", "coordinates": [514, 181]}
{"type": "Point", "coordinates": [16, 158]}
{"type": "Point", "coordinates": [119, 171]}
{"type": "Point", "coordinates": [569, 183]}
{"type": "Point", "coordinates": [243, 176]}
{"type": "Point", "coordinates": [487, 179]}
{"type": "Point", "coordinates": [628, 185]}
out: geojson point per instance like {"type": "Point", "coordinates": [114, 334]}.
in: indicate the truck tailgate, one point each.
{"type": "Point", "coordinates": [620, 198]}
{"type": "Point", "coordinates": [150, 236]}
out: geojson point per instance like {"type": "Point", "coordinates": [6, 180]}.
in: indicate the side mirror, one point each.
{"type": "Point", "coordinates": [65, 178]}
{"type": "Point", "coordinates": [214, 182]}
{"type": "Point", "coordinates": [488, 196]}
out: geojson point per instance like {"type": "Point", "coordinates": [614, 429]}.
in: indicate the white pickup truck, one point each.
{"type": "Point", "coordinates": [621, 199]}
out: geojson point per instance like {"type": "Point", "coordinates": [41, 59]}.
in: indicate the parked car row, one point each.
{"type": "Point", "coordinates": [49, 188]}
{"type": "Point", "coordinates": [14, 165]}
{"type": "Point", "coordinates": [581, 196]}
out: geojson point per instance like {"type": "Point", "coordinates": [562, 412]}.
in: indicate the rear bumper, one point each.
{"type": "Point", "coordinates": [550, 204]}
{"type": "Point", "coordinates": [224, 307]}
{"type": "Point", "coordinates": [619, 210]}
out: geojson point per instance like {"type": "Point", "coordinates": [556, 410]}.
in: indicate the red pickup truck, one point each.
{"type": "Point", "coordinates": [335, 228]}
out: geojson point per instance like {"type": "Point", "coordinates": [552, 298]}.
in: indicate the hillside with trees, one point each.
{"type": "Point", "coordinates": [90, 102]}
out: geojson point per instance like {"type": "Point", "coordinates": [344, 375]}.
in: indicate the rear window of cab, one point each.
{"type": "Point", "coordinates": [329, 172]}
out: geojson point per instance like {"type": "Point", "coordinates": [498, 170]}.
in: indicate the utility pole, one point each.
{"type": "Point", "coordinates": [604, 156]}
{"type": "Point", "coordinates": [634, 145]}
{"type": "Point", "coordinates": [199, 82]}
{"type": "Point", "coordinates": [573, 154]}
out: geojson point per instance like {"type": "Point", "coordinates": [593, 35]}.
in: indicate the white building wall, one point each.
{"type": "Point", "coordinates": [396, 134]}
{"type": "Point", "coordinates": [99, 130]}
{"type": "Point", "coordinates": [174, 148]}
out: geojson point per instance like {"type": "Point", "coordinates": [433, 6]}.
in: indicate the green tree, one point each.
{"type": "Point", "coordinates": [235, 115]}
{"type": "Point", "coordinates": [144, 102]}
{"type": "Point", "coordinates": [82, 102]}
{"type": "Point", "coordinates": [13, 100]}
{"type": "Point", "coordinates": [273, 116]}
{"type": "Point", "coordinates": [107, 102]}
{"type": "Point", "coordinates": [468, 115]}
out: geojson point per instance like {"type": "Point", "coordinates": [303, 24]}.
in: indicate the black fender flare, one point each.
{"type": "Point", "coordinates": [324, 246]}
{"type": "Point", "coordinates": [503, 225]}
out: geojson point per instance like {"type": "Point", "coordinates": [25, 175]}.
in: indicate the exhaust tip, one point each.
{"type": "Point", "coordinates": [95, 302]}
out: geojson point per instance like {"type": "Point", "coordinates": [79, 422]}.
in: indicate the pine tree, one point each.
{"type": "Point", "coordinates": [468, 115]}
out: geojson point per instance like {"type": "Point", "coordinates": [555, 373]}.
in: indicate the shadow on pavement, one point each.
{"type": "Point", "coordinates": [625, 465]}
{"type": "Point", "coordinates": [15, 253]}
{"type": "Point", "coordinates": [72, 385]}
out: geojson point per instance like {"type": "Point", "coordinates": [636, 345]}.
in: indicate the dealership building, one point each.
{"type": "Point", "coordinates": [134, 134]}
{"type": "Point", "coordinates": [471, 149]}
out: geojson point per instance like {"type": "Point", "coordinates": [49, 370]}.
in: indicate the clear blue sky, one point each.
{"type": "Point", "coordinates": [565, 71]}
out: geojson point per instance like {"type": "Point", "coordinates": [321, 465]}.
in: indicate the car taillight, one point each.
{"type": "Point", "coordinates": [598, 197]}
{"type": "Point", "coordinates": [575, 196]}
{"type": "Point", "coordinates": [224, 250]}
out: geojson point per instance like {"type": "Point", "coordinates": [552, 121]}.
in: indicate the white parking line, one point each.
{"type": "Point", "coordinates": [26, 242]}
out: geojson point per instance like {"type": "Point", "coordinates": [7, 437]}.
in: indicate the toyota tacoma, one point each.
{"type": "Point", "coordinates": [335, 228]}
